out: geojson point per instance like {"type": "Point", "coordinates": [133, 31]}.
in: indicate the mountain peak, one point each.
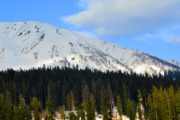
{"type": "Point", "coordinates": [34, 44]}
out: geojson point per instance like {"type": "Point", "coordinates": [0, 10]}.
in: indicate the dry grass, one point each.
{"type": "Point", "coordinates": [115, 119]}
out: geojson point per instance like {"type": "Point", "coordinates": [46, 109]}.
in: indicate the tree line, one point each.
{"type": "Point", "coordinates": [40, 92]}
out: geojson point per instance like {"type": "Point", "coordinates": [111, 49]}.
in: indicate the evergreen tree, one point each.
{"type": "Point", "coordinates": [49, 107]}
{"type": "Point", "coordinates": [70, 101]}
{"type": "Point", "coordinates": [159, 105]}
{"type": "Point", "coordinates": [2, 107]}
{"type": "Point", "coordinates": [104, 103]}
{"type": "Point", "coordinates": [171, 100]}
{"type": "Point", "coordinates": [153, 105]}
{"type": "Point", "coordinates": [21, 101]}
{"type": "Point", "coordinates": [49, 101]}
{"type": "Point", "coordinates": [109, 101]}
{"type": "Point", "coordinates": [8, 106]}
{"type": "Point", "coordinates": [61, 112]}
{"type": "Point", "coordinates": [131, 109]}
{"type": "Point", "coordinates": [91, 108]}
{"type": "Point", "coordinates": [119, 107]}
{"type": "Point", "coordinates": [85, 96]}
{"type": "Point", "coordinates": [49, 117]}
{"type": "Point", "coordinates": [22, 112]}
{"type": "Point", "coordinates": [72, 116]}
{"type": "Point", "coordinates": [35, 107]}
{"type": "Point", "coordinates": [140, 105]}
{"type": "Point", "coordinates": [167, 105]}
{"type": "Point", "coordinates": [16, 113]}
{"type": "Point", "coordinates": [177, 105]}
{"type": "Point", "coordinates": [162, 105]}
{"type": "Point", "coordinates": [81, 113]}
{"type": "Point", "coordinates": [52, 86]}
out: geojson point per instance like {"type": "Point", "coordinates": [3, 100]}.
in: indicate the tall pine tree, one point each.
{"type": "Point", "coordinates": [35, 107]}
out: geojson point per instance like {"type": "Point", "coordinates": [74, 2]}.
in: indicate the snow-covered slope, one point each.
{"type": "Point", "coordinates": [175, 62]}
{"type": "Point", "coordinates": [32, 44]}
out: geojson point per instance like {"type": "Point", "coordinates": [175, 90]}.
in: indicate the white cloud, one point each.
{"type": "Point", "coordinates": [125, 17]}
{"type": "Point", "coordinates": [170, 35]}
{"type": "Point", "coordinates": [173, 39]}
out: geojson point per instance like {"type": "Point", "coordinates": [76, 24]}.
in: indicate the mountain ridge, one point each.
{"type": "Point", "coordinates": [34, 44]}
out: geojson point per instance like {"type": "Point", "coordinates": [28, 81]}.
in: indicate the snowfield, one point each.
{"type": "Point", "coordinates": [32, 44]}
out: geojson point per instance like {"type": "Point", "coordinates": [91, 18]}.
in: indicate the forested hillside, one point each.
{"type": "Point", "coordinates": [46, 90]}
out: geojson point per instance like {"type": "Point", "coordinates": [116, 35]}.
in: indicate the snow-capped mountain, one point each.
{"type": "Point", "coordinates": [175, 62]}
{"type": "Point", "coordinates": [32, 44]}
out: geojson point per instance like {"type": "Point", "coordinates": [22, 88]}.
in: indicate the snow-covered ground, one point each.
{"type": "Point", "coordinates": [33, 44]}
{"type": "Point", "coordinates": [123, 118]}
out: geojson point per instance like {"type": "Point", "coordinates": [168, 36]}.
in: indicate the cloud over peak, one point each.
{"type": "Point", "coordinates": [126, 17]}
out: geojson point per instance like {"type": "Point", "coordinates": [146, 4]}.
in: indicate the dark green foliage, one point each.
{"type": "Point", "coordinates": [59, 82]}
{"type": "Point", "coordinates": [163, 104]}
{"type": "Point", "coordinates": [85, 97]}
{"type": "Point", "coordinates": [2, 107]}
{"type": "Point", "coordinates": [49, 105]}
{"type": "Point", "coordinates": [72, 87]}
{"type": "Point", "coordinates": [119, 106]}
{"type": "Point", "coordinates": [8, 106]}
{"type": "Point", "coordinates": [140, 104]}
{"type": "Point", "coordinates": [22, 112]}
{"type": "Point", "coordinates": [104, 103]}
{"type": "Point", "coordinates": [35, 107]}
{"type": "Point", "coordinates": [70, 101]}
{"type": "Point", "coordinates": [49, 117]}
{"type": "Point", "coordinates": [81, 113]}
{"type": "Point", "coordinates": [131, 109]}
{"type": "Point", "coordinates": [91, 108]}
{"type": "Point", "coordinates": [72, 116]}
{"type": "Point", "coordinates": [177, 105]}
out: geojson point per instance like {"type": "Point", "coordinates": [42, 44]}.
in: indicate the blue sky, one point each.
{"type": "Point", "coordinates": [152, 27]}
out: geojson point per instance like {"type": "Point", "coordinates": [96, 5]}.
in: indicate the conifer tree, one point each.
{"type": "Point", "coordinates": [109, 101]}
{"type": "Point", "coordinates": [177, 105]}
{"type": "Point", "coordinates": [85, 96]}
{"type": "Point", "coordinates": [81, 113]}
{"type": "Point", "coordinates": [70, 101]}
{"type": "Point", "coordinates": [153, 103]}
{"type": "Point", "coordinates": [140, 105]}
{"type": "Point", "coordinates": [35, 107]}
{"type": "Point", "coordinates": [22, 112]}
{"type": "Point", "coordinates": [49, 105]}
{"type": "Point", "coordinates": [125, 96]}
{"type": "Point", "coordinates": [91, 108]}
{"type": "Point", "coordinates": [171, 99]}
{"type": "Point", "coordinates": [104, 103]}
{"type": "Point", "coordinates": [119, 106]}
{"type": "Point", "coordinates": [131, 109]}
{"type": "Point", "coordinates": [2, 107]}
{"type": "Point", "coordinates": [72, 116]}
{"type": "Point", "coordinates": [49, 101]}
{"type": "Point", "coordinates": [16, 114]}
{"type": "Point", "coordinates": [159, 105]}
{"type": "Point", "coordinates": [8, 106]}
{"type": "Point", "coordinates": [61, 112]}
{"type": "Point", "coordinates": [166, 104]}
{"type": "Point", "coordinates": [21, 101]}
